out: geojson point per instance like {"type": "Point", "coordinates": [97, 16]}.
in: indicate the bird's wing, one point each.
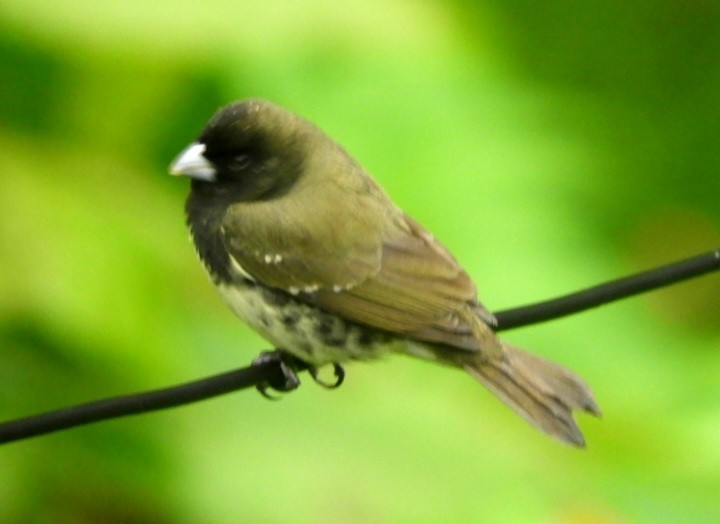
{"type": "Point", "coordinates": [375, 266]}
{"type": "Point", "coordinates": [420, 291]}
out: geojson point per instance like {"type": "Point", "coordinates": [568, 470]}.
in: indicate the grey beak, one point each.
{"type": "Point", "coordinates": [191, 162]}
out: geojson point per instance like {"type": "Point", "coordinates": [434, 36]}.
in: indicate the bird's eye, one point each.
{"type": "Point", "coordinates": [239, 162]}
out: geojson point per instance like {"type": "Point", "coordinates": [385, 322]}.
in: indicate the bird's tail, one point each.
{"type": "Point", "coordinates": [541, 392]}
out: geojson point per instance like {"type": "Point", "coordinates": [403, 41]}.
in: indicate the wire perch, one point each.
{"type": "Point", "coordinates": [272, 372]}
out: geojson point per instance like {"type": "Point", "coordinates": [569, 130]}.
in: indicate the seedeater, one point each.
{"type": "Point", "coordinates": [311, 252]}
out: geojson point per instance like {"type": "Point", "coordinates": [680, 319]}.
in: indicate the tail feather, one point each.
{"type": "Point", "coordinates": [541, 392]}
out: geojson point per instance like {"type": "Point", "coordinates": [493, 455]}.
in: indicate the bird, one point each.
{"type": "Point", "coordinates": [311, 252]}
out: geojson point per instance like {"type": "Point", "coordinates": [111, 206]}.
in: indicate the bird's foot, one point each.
{"type": "Point", "coordinates": [339, 372]}
{"type": "Point", "coordinates": [285, 379]}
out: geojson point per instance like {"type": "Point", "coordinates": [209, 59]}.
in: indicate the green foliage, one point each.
{"type": "Point", "coordinates": [549, 145]}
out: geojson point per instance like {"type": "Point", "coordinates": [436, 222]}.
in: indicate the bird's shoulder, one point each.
{"type": "Point", "coordinates": [326, 232]}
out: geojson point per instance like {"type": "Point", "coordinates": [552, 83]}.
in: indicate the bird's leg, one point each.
{"type": "Point", "coordinates": [339, 372]}
{"type": "Point", "coordinates": [285, 379]}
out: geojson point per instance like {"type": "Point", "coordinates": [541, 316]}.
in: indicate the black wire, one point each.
{"type": "Point", "coordinates": [271, 372]}
{"type": "Point", "coordinates": [134, 404]}
{"type": "Point", "coordinates": [608, 292]}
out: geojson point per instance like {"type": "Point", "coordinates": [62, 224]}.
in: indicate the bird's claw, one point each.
{"type": "Point", "coordinates": [284, 381]}
{"type": "Point", "coordinates": [339, 372]}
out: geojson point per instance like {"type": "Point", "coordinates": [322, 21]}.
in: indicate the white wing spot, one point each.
{"type": "Point", "coordinates": [273, 259]}
{"type": "Point", "coordinates": [293, 290]}
{"type": "Point", "coordinates": [337, 288]}
{"type": "Point", "coordinates": [311, 288]}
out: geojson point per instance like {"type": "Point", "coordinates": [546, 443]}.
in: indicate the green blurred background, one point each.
{"type": "Point", "coordinates": [550, 145]}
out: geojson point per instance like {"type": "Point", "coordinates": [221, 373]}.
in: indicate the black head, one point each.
{"type": "Point", "coordinates": [252, 149]}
